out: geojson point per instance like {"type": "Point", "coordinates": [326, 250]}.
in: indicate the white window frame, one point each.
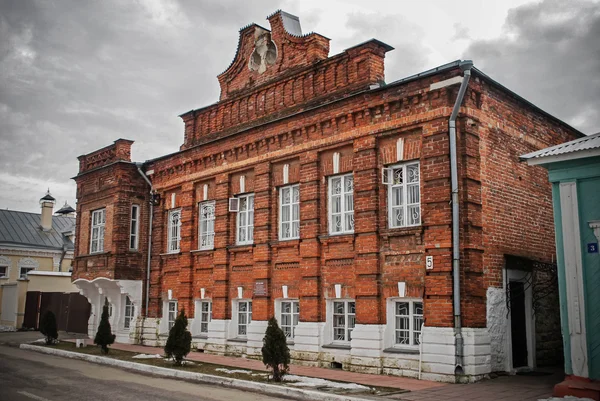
{"type": "Point", "coordinates": [204, 313]}
{"type": "Point", "coordinates": [206, 225]}
{"type": "Point", "coordinates": [6, 271]}
{"type": "Point", "coordinates": [408, 182]}
{"type": "Point", "coordinates": [171, 314]}
{"type": "Point", "coordinates": [348, 323]}
{"type": "Point", "coordinates": [98, 225]}
{"type": "Point", "coordinates": [414, 320]}
{"type": "Point", "coordinates": [174, 232]}
{"type": "Point", "coordinates": [134, 227]}
{"type": "Point", "coordinates": [245, 220]}
{"type": "Point", "coordinates": [346, 211]}
{"type": "Point", "coordinates": [289, 228]}
{"type": "Point", "coordinates": [243, 318]}
{"type": "Point", "coordinates": [23, 271]}
{"type": "Point", "coordinates": [288, 317]}
{"type": "Point", "coordinates": [129, 313]}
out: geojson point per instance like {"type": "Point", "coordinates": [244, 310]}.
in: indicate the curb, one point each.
{"type": "Point", "coordinates": [264, 388]}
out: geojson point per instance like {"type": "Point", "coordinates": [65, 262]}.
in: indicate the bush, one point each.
{"type": "Point", "coordinates": [179, 342]}
{"type": "Point", "coordinates": [48, 327]}
{"type": "Point", "coordinates": [275, 352]}
{"type": "Point", "coordinates": [104, 336]}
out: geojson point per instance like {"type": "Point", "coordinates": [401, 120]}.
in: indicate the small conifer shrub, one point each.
{"type": "Point", "coordinates": [179, 342]}
{"type": "Point", "coordinates": [275, 351]}
{"type": "Point", "coordinates": [48, 327]}
{"type": "Point", "coordinates": [104, 336]}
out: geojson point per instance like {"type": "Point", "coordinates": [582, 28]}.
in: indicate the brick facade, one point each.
{"type": "Point", "coordinates": [286, 126]}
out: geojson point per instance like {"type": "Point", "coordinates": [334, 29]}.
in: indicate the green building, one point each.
{"type": "Point", "coordinates": [574, 171]}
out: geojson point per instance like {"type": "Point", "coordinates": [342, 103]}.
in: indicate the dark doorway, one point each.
{"type": "Point", "coordinates": [517, 324]}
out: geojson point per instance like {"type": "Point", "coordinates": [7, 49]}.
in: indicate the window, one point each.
{"type": "Point", "coordinates": [206, 225]}
{"type": "Point", "coordinates": [129, 312]}
{"type": "Point", "coordinates": [409, 319]}
{"type": "Point", "coordinates": [23, 272]}
{"type": "Point", "coordinates": [134, 228]}
{"type": "Point", "coordinates": [290, 311]}
{"type": "Point", "coordinates": [174, 230]}
{"type": "Point", "coordinates": [289, 212]}
{"type": "Point", "coordinates": [3, 271]}
{"type": "Point", "coordinates": [404, 201]}
{"type": "Point", "coordinates": [244, 317]}
{"type": "Point", "coordinates": [205, 315]}
{"type": "Point", "coordinates": [341, 204]}
{"type": "Point", "coordinates": [245, 220]}
{"type": "Point", "coordinates": [171, 314]}
{"type": "Point", "coordinates": [343, 320]}
{"type": "Point", "coordinates": [98, 223]}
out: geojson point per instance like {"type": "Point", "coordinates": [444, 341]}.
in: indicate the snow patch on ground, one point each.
{"type": "Point", "coordinates": [146, 356]}
{"type": "Point", "coordinates": [567, 398]}
{"type": "Point", "coordinates": [6, 329]}
{"type": "Point", "coordinates": [233, 371]}
{"type": "Point", "coordinates": [303, 381]}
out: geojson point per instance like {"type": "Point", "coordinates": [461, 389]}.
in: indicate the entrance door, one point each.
{"type": "Point", "coordinates": [518, 325]}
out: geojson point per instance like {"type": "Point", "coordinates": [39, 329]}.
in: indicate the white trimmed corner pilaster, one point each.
{"type": "Point", "coordinates": [218, 332]}
{"type": "Point", "coordinates": [256, 333]}
{"type": "Point", "coordinates": [367, 348]}
{"type": "Point", "coordinates": [307, 343]}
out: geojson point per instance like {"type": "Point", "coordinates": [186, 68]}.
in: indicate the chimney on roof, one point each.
{"type": "Point", "coordinates": [47, 203]}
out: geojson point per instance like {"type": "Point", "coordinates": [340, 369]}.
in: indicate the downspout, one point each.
{"type": "Point", "coordinates": [139, 168]}
{"type": "Point", "coordinates": [465, 66]}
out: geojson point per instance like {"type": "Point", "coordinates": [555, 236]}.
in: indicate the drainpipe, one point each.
{"type": "Point", "coordinates": [139, 168]}
{"type": "Point", "coordinates": [465, 66]}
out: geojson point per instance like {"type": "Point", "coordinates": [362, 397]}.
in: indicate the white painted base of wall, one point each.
{"type": "Point", "coordinates": [439, 360]}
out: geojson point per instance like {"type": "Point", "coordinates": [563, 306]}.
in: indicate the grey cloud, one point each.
{"type": "Point", "coordinates": [549, 53]}
{"type": "Point", "coordinates": [77, 75]}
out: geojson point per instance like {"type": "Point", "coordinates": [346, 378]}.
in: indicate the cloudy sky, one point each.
{"type": "Point", "coordinates": [76, 75]}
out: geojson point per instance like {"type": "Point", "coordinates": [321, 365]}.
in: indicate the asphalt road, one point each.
{"type": "Point", "coordinates": [29, 376]}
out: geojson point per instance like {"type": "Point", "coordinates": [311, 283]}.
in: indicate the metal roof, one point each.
{"type": "Point", "coordinates": [588, 146]}
{"type": "Point", "coordinates": [22, 229]}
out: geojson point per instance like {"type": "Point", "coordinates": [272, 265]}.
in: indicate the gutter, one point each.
{"type": "Point", "coordinates": [465, 66]}
{"type": "Point", "coordinates": [139, 169]}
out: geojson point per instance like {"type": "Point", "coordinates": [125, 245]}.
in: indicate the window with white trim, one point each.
{"type": "Point", "coordinates": [344, 319]}
{"type": "Point", "coordinates": [404, 197]}
{"type": "Point", "coordinates": [129, 312]}
{"type": "Point", "coordinates": [244, 317]}
{"type": "Point", "coordinates": [171, 314]}
{"type": "Point", "coordinates": [341, 204]}
{"type": "Point", "coordinates": [245, 220]}
{"type": "Point", "coordinates": [97, 235]}
{"type": "Point", "coordinates": [408, 321]}
{"type": "Point", "coordinates": [134, 227]}
{"type": "Point", "coordinates": [289, 212]}
{"type": "Point", "coordinates": [205, 310]}
{"type": "Point", "coordinates": [23, 272]}
{"type": "Point", "coordinates": [206, 225]}
{"type": "Point", "coordinates": [289, 316]}
{"type": "Point", "coordinates": [174, 230]}
{"type": "Point", "coordinates": [3, 271]}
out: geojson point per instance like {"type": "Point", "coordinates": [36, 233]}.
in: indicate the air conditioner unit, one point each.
{"type": "Point", "coordinates": [386, 176]}
{"type": "Point", "coordinates": [234, 205]}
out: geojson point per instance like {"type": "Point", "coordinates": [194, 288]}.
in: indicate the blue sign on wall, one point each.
{"type": "Point", "coordinates": [593, 247]}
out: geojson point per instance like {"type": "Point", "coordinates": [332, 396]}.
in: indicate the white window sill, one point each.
{"type": "Point", "coordinates": [202, 250]}
{"type": "Point", "coordinates": [402, 350]}
{"type": "Point", "coordinates": [238, 340]}
{"type": "Point", "coordinates": [289, 239]}
{"type": "Point", "coordinates": [337, 346]}
{"type": "Point", "coordinates": [171, 253]}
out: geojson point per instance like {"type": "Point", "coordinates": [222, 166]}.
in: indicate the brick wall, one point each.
{"type": "Point", "coordinates": [505, 206]}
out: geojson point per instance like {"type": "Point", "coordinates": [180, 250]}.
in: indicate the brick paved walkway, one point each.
{"type": "Point", "coordinates": [504, 388]}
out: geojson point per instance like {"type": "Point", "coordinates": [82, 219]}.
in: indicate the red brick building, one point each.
{"type": "Point", "coordinates": [318, 193]}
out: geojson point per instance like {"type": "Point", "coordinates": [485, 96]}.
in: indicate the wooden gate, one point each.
{"type": "Point", "coordinates": [72, 310]}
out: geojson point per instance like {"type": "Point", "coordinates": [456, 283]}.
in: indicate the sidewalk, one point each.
{"type": "Point", "coordinates": [504, 388]}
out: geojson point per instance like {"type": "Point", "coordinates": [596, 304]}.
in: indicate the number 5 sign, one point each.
{"type": "Point", "coordinates": [429, 262]}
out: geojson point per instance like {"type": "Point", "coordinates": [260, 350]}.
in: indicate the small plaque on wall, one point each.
{"type": "Point", "coordinates": [261, 288]}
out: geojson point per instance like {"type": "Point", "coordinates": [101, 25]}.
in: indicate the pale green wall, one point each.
{"type": "Point", "coordinates": [586, 173]}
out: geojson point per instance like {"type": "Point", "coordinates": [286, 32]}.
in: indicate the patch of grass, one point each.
{"type": "Point", "coordinates": [206, 368]}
